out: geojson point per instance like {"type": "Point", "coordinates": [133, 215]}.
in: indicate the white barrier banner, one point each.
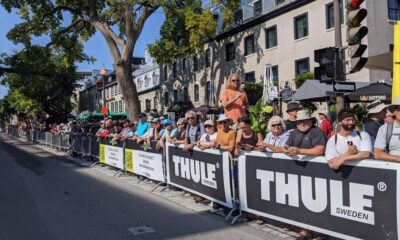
{"type": "Point", "coordinates": [112, 155]}
{"type": "Point", "coordinates": [149, 165]}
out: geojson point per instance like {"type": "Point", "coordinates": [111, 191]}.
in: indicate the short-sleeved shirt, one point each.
{"type": "Point", "coordinates": [371, 127]}
{"type": "Point", "coordinates": [362, 141]}
{"type": "Point", "coordinates": [208, 138]}
{"type": "Point", "coordinates": [235, 110]}
{"type": "Point", "coordinates": [142, 128]}
{"type": "Point", "coordinates": [314, 137]}
{"type": "Point", "coordinates": [277, 141]}
{"type": "Point", "coordinates": [193, 134]}
{"type": "Point", "coordinates": [226, 138]}
{"type": "Point", "coordinates": [173, 133]}
{"type": "Point", "coordinates": [394, 143]}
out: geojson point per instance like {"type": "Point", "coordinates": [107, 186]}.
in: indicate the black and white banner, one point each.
{"type": "Point", "coordinates": [145, 162]}
{"type": "Point", "coordinates": [203, 172]}
{"type": "Point", "coordinates": [356, 202]}
{"type": "Point", "coordinates": [112, 155]}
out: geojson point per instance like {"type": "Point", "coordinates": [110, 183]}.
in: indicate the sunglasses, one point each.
{"type": "Point", "coordinates": [223, 122]}
{"type": "Point", "coordinates": [207, 126]}
{"type": "Point", "coordinates": [235, 80]}
{"type": "Point", "coordinates": [190, 118]}
{"type": "Point", "coordinates": [276, 125]}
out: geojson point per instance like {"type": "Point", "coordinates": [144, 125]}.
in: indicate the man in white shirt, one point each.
{"type": "Point", "coordinates": [348, 144]}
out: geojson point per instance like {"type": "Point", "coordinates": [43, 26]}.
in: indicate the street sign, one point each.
{"type": "Point", "coordinates": [286, 94]}
{"type": "Point", "coordinates": [344, 87]}
{"type": "Point", "coordinates": [104, 110]}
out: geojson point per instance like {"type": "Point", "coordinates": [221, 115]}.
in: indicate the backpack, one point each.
{"type": "Point", "coordinates": [389, 132]}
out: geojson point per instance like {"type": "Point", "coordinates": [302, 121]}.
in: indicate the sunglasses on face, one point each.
{"type": "Point", "coordinates": [190, 118]}
{"type": "Point", "coordinates": [207, 126]}
{"type": "Point", "coordinates": [235, 80]}
{"type": "Point", "coordinates": [276, 125]}
{"type": "Point", "coordinates": [223, 122]}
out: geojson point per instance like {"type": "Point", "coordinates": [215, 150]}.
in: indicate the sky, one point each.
{"type": "Point", "coordinates": [95, 46]}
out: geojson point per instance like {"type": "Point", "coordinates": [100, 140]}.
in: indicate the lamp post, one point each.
{"type": "Point", "coordinates": [103, 73]}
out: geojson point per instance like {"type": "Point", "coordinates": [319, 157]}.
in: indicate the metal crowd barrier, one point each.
{"type": "Point", "coordinates": [357, 201]}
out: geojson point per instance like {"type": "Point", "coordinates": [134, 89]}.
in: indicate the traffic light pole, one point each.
{"type": "Point", "coordinates": [339, 73]}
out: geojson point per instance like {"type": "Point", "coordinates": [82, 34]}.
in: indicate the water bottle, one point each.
{"type": "Point", "coordinates": [145, 146]}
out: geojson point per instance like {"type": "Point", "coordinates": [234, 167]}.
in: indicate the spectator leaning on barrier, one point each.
{"type": "Point", "coordinates": [124, 132]}
{"type": "Point", "coordinates": [348, 144]}
{"type": "Point", "coordinates": [387, 143]}
{"type": "Point", "coordinates": [142, 127]}
{"type": "Point", "coordinates": [207, 140]}
{"type": "Point", "coordinates": [180, 137]}
{"type": "Point", "coordinates": [375, 118]}
{"type": "Point", "coordinates": [167, 134]}
{"type": "Point", "coordinates": [233, 99]}
{"type": "Point", "coordinates": [277, 135]}
{"type": "Point", "coordinates": [246, 139]}
{"type": "Point", "coordinates": [306, 139]}
{"type": "Point", "coordinates": [226, 136]}
{"type": "Point", "coordinates": [325, 124]}
{"type": "Point", "coordinates": [292, 109]}
{"type": "Point", "coordinates": [194, 130]}
{"type": "Point", "coordinates": [103, 131]}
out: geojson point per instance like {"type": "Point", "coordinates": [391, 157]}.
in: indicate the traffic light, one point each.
{"type": "Point", "coordinates": [355, 33]}
{"type": "Point", "coordinates": [325, 73]}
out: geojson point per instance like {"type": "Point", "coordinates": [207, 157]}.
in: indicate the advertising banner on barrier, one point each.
{"type": "Point", "coordinates": [147, 163]}
{"type": "Point", "coordinates": [203, 172]}
{"type": "Point", "coordinates": [358, 201]}
{"type": "Point", "coordinates": [112, 155]}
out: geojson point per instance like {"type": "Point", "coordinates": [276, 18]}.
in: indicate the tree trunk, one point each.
{"type": "Point", "coordinates": [128, 88]}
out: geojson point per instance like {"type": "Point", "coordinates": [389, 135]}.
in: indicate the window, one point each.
{"type": "Point", "coordinates": [108, 106]}
{"type": "Point", "coordinates": [302, 66]}
{"type": "Point", "coordinates": [229, 52]}
{"type": "Point", "coordinates": [208, 58]}
{"type": "Point", "coordinates": [148, 105]}
{"type": "Point", "coordinates": [155, 102]}
{"type": "Point", "coordinates": [271, 37]}
{"type": "Point", "coordinates": [277, 2]}
{"type": "Point", "coordinates": [146, 81]}
{"type": "Point", "coordinates": [250, 77]}
{"type": "Point", "coordinates": [275, 76]}
{"type": "Point", "coordinates": [174, 70]}
{"type": "Point", "coordinates": [329, 13]}
{"type": "Point", "coordinates": [165, 73]}
{"type": "Point", "coordinates": [112, 106]}
{"type": "Point", "coordinates": [176, 99]}
{"type": "Point", "coordinates": [184, 65]}
{"type": "Point", "coordinates": [301, 26]}
{"type": "Point", "coordinates": [106, 92]}
{"type": "Point", "coordinates": [185, 94]}
{"type": "Point", "coordinates": [195, 64]}
{"type": "Point", "coordinates": [257, 8]}
{"type": "Point", "coordinates": [155, 78]}
{"type": "Point", "coordinates": [208, 91]}
{"type": "Point", "coordinates": [196, 93]}
{"type": "Point", "coordinates": [166, 99]}
{"type": "Point", "coordinates": [394, 10]}
{"type": "Point", "coordinates": [249, 45]}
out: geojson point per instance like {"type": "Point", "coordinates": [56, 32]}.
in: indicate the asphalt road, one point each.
{"type": "Point", "coordinates": [44, 196]}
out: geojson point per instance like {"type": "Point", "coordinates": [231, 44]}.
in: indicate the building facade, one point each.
{"type": "Point", "coordinates": [280, 38]}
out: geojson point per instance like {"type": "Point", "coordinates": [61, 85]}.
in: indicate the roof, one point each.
{"type": "Point", "coordinates": [312, 89]}
{"type": "Point", "coordinates": [144, 69]}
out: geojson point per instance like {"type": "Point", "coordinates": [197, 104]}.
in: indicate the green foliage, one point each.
{"type": "Point", "coordinates": [309, 106]}
{"type": "Point", "coordinates": [301, 78]}
{"type": "Point", "coordinates": [260, 114]}
{"type": "Point", "coordinates": [254, 92]}
{"type": "Point", "coordinates": [360, 110]}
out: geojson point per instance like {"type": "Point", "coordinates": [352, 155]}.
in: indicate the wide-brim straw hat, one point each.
{"type": "Point", "coordinates": [223, 117]}
{"type": "Point", "coordinates": [376, 107]}
{"type": "Point", "coordinates": [324, 112]}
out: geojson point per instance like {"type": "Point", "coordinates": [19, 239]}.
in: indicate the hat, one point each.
{"type": "Point", "coordinates": [161, 118]}
{"type": "Point", "coordinates": [345, 113]}
{"type": "Point", "coordinates": [150, 118]}
{"type": "Point", "coordinates": [154, 120]}
{"type": "Point", "coordinates": [376, 107]}
{"type": "Point", "coordinates": [303, 115]}
{"type": "Point", "coordinates": [395, 103]}
{"type": "Point", "coordinates": [223, 117]}
{"type": "Point", "coordinates": [293, 106]}
{"type": "Point", "coordinates": [142, 114]}
{"type": "Point", "coordinates": [208, 122]}
{"type": "Point", "coordinates": [166, 122]}
{"type": "Point", "coordinates": [324, 112]}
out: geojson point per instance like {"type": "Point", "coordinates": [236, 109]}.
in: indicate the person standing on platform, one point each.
{"type": "Point", "coordinates": [233, 99]}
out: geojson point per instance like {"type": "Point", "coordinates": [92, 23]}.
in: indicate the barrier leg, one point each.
{"type": "Point", "coordinates": [159, 184]}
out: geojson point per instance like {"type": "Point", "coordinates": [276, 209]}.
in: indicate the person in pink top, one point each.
{"type": "Point", "coordinates": [233, 99]}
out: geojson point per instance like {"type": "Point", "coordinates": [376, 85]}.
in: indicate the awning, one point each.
{"type": "Point", "coordinates": [372, 92]}
{"type": "Point", "coordinates": [313, 89]}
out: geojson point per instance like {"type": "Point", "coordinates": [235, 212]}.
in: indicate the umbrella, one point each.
{"type": "Point", "coordinates": [372, 92]}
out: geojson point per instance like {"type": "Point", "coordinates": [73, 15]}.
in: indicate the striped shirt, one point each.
{"type": "Point", "coordinates": [278, 141]}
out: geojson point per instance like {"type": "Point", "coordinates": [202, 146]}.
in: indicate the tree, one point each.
{"type": "Point", "coordinates": [119, 21]}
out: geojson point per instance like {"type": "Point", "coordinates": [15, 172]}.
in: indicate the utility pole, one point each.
{"type": "Point", "coordinates": [339, 73]}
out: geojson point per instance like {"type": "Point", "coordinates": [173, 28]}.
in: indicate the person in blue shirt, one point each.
{"type": "Point", "coordinates": [142, 128]}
